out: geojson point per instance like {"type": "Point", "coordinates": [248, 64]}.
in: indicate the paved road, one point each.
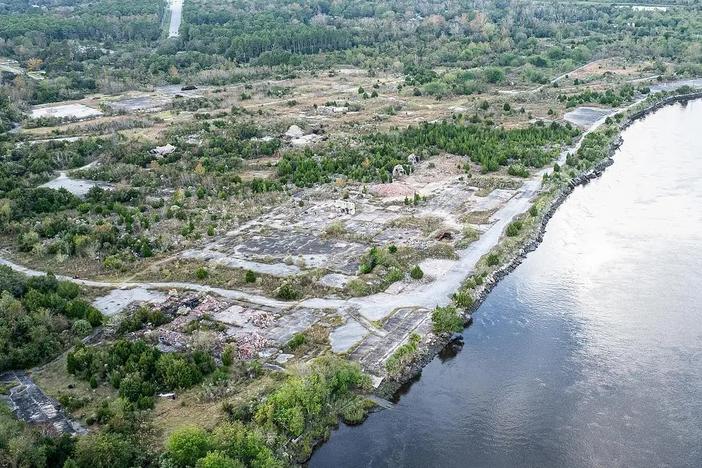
{"type": "Point", "coordinates": [176, 7]}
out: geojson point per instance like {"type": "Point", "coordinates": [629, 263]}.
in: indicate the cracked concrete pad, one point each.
{"type": "Point", "coordinates": [335, 280]}
{"type": "Point", "coordinates": [346, 336]}
{"type": "Point", "coordinates": [78, 187]}
{"type": "Point", "coordinates": [118, 299]}
{"type": "Point", "coordinates": [76, 111]}
{"type": "Point", "coordinates": [30, 404]}
{"type": "Point", "coordinates": [585, 117]}
{"type": "Point", "coordinates": [232, 316]}
{"type": "Point", "coordinates": [296, 321]}
{"type": "Point", "coordinates": [283, 358]}
{"type": "Point", "coordinates": [274, 269]}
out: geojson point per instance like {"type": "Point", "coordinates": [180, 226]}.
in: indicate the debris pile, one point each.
{"type": "Point", "coordinates": [250, 344]}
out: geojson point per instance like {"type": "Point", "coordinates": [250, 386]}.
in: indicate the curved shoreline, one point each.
{"type": "Point", "coordinates": [389, 388]}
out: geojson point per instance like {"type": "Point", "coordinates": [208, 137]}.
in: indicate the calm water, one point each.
{"type": "Point", "coordinates": [590, 353]}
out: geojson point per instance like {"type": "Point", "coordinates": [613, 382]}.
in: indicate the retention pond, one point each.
{"type": "Point", "coordinates": [590, 352]}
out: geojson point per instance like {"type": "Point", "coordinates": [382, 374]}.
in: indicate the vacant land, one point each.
{"type": "Point", "coordinates": [257, 217]}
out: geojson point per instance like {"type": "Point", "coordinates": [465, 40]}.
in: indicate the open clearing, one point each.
{"type": "Point", "coordinates": [71, 111]}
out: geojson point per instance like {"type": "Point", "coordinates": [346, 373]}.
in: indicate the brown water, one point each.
{"type": "Point", "coordinates": [590, 353]}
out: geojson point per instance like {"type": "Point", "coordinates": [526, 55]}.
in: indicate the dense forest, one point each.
{"type": "Point", "coordinates": [118, 46]}
{"type": "Point", "coordinates": [39, 318]}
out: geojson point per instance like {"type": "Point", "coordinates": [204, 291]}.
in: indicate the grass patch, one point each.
{"type": "Point", "coordinates": [426, 224]}
{"type": "Point", "coordinates": [446, 320]}
{"type": "Point", "coordinates": [403, 355]}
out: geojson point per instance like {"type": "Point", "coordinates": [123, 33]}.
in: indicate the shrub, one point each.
{"type": "Point", "coordinates": [416, 273]}
{"type": "Point", "coordinates": [132, 387]}
{"type": "Point", "coordinates": [201, 273]}
{"type": "Point", "coordinates": [355, 411]}
{"type": "Point", "coordinates": [494, 75]}
{"type": "Point", "coordinates": [141, 316]}
{"type": "Point", "coordinates": [287, 292]}
{"type": "Point", "coordinates": [113, 262]}
{"type": "Point", "coordinates": [81, 328]}
{"type": "Point", "coordinates": [446, 320]}
{"type": "Point", "coordinates": [533, 211]}
{"type": "Point", "coordinates": [403, 355]}
{"type": "Point", "coordinates": [296, 341]}
{"type": "Point", "coordinates": [369, 262]}
{"type": "Point", "coordinates": [518, 170]}
{"type": "Point", "coordinates": [514, 228]}
{"type": "Point", "coordinates": [463, 299]}
{"type": "Point", "coordinates": [94, 317]}
{"type": "Point", "coordinates": [106, 450]}
{"type": "Point", "coordinates": [394, 275]}
{"type": "Point", "coordinates": [68, 290]}
{"type": "Point", "coordinates": [335, 229]}
{"type": "Point", "coordinates": [246, 446]}
{"type": "Point", "coordinates": [228, 355]}
{"type": "Point", "coordinates": [250, 276]}
{"type": "Point", "coordinates": [187, 445]}
{"type": "Point", "coordinates": [217, 459]}
{"type": "Point", "coordinates": [177, 372]}
{"type": "Point", "coordinates": [392, 249]}
{"type": "Point", "coordinates": [493, 259]}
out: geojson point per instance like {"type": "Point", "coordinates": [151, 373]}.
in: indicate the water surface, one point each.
{"type": "Point", "coordinates": [590, 353]}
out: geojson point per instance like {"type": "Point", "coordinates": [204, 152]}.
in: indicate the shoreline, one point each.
{"type": "Point", "coordinates": [390, 387]}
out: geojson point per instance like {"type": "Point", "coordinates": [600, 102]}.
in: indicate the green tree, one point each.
{"type": "Point", "coordinates": [218, 459]}
{"type": "Point", "coordinates": [106, 450]}
{"type": "Point", "coordinates": [177, 372]}
{"type": "Point", "coordinates": [187, 445]}
{"type": "Point", "coordinates": [243, 444]}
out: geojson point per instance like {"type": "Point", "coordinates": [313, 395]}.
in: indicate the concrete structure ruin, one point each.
{"type": "Point", "coordinates": [294, 132]}
{"type": "Point", "coordinates": [345, 207]}
{"type": "Point", "coordinates": [162, 151]}
{"type": "Point", "coordinates": [398, 172]}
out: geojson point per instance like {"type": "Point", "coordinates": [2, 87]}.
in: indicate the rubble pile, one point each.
{"type": "Point", "coordinates": [250, 327]}
{"type": "Point", "coordinates": [250, 344]}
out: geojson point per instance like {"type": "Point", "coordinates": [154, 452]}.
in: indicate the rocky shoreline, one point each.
{"type": "Point", "coordinates": [389, 387]}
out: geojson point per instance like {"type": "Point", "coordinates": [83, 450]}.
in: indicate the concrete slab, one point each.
{"type": "Point", "coordinates": [118, 299]}
{"type": "Point", "coordinates": [74, 111]}
{"type": "Point", "coordinates": [347, 336]}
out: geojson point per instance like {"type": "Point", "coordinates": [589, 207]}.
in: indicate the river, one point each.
{"type": "Point", "coordinates": [590, 352]}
